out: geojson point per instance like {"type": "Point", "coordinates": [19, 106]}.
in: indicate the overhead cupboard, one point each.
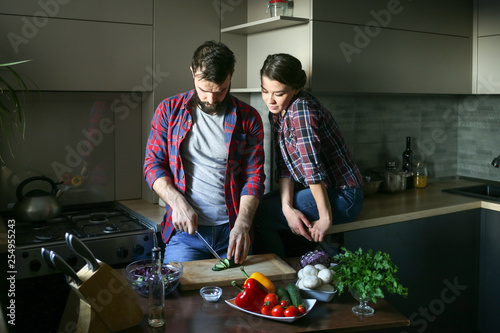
{"type": "Point", "coordinates": [359, 46]}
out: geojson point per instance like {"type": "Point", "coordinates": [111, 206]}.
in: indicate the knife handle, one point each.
{"type": "Point", "coordinates": [82, 250]}
{"type": "Point", "coordinates": [64, 267]}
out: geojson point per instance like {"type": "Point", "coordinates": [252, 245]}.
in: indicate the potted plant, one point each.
{"type": "Point", "coordinates": [365, 274]}
{"type": "Point", "coordinates": [11, 112]}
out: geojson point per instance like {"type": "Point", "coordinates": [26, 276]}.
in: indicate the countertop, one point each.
{"type": "Point", "coordinates": [381, 208]}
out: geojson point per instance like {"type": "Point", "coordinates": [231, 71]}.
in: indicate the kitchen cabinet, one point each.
{"type": "Point", "coordinates": [438, 260]}
{"type": "Point", "coordinates": [488, 47]}
{"type": "Point", "coordinates": [489, 301]}
{"type": "Point", "coordinates": [356, 46]}
{"type": "Point", "coordinates": [80, 48]}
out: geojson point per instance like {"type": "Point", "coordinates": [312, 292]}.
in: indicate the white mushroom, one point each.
{"type": "Point", "coordinates": [300, 274]}
{"type": "Point", "coordinates": [320, 267]}
{"type": "Point", "coordinates": [326, 275]}
{"type": "Point", "coordinates": [310, 270]}
{"type": "Point", "coordinates": [311, 282]}
{"type": "Point", "coordinates": [326, 287]}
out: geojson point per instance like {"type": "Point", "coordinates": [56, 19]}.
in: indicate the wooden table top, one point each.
{"type": "Point", "coordinates": [186, 311]}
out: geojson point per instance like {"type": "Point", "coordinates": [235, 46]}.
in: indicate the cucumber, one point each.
{"type": "Point", "coordinates": [283, 295]}
{"type": "Point", "coordinates": [219, 266]}
{"type": "Point", "coordinates": [294, 293]}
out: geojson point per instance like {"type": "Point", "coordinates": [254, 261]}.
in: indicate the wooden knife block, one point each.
{"type": "Point", "coordinates": [107, 295]}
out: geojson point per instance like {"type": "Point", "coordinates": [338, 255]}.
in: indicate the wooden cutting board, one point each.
{"type": "Point", "coordinates": [199, 273]}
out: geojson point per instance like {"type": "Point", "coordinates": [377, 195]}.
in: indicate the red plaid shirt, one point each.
{"type": "Point", "coordinates": [309, 146]}
{"type": "Point", "coordinates": [244, 136]}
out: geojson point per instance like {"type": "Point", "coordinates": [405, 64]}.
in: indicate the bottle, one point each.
{"type": "Point", "coordinates": [408, 156]}
{"type": "Point", "coordinates": [407, 165]}
{"type": "Point", "coordinates": [156, 317]}
{"type": "Point", "coordinates": [420, 175]}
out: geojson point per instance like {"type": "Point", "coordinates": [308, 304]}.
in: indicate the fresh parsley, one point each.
{"type": "Point", "coordinates": [367, 274]}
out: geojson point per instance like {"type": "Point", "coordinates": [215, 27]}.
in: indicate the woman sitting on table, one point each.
{"type": "Point", "coordinates": [319, 183]}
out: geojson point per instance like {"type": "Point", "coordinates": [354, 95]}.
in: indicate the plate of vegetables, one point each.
{"type": "Point", "coordinates": [285, 304]}
{"type": "Point", "coordinates": [309, 303]}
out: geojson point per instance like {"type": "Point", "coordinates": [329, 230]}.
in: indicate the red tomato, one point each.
{"type": "Point", "coordinates": [291, 311]}
{"type": "Point", "coordinates": [284, 303]}
{"type": "Point", "coordinates": [272, 298]}
{"type": "Point", "coordinates": [266, 310]}
{"type": "Point", "coordinates": [278, 311]}
{"type": "Point", "coordinates": [301, 309]}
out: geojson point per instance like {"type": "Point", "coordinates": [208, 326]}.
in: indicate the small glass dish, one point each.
{"type": "Point", "coordinates": [211, 293]}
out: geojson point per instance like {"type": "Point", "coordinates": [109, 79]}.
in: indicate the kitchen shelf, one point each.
{"type": "Point", "coordinates": [268, 24]}
{"type": "Point", "coordinates": [245, 90]}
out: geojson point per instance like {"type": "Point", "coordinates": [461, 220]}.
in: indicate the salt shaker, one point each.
{"type": "Point", "coordinates": [156, 317]}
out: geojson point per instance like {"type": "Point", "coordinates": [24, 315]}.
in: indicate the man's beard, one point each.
{"type": "Point", "coordinates": [215, 108]}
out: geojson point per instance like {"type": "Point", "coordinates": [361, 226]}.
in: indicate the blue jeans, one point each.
{"type": "Point", "coordinates": [185, 247]}
{"type": "Point", "coordinates": [269, 219]}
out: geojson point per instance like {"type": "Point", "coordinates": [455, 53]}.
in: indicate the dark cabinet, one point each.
{"type": "Point", "coordinates": [438, 260]}
{"type": "Point", "coordinates": [489, 300]}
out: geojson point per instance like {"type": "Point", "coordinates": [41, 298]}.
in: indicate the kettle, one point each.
{"type": "Point", "coordinates": [37, 205]}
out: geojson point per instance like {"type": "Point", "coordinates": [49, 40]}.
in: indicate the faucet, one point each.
{"type": "Point", "coordinates": [496, 162]}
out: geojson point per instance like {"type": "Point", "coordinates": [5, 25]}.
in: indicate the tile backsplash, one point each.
{"type": "Point", "coordinates": [456, 135]}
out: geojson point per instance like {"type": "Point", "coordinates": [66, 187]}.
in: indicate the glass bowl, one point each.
{"type": "Point", "coordinates": [138, 273]}
{"type": "Point", "coordinates": [211, 293]}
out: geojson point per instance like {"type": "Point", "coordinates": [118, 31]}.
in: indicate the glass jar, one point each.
{"type": "Point", "coordinates": [420, 175]}
{"type": "Point", "coordinates": [277, 7]}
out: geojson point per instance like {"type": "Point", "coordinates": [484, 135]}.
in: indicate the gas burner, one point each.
{"type": "Point", "coordinates": [98, 218]}
{"type": "Point", "coordinates": [45, 237]}
{"type": "Point", "coordinates": [41, 225]}
{"type": "Point", "coordinates": [110, 228]}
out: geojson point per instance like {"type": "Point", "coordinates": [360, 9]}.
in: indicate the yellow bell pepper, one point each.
{"type": "Point", "coordinates": [264, 280]}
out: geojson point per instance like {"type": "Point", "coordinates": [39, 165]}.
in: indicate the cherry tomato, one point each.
{"type": "Point", "coordinates": [278, 311]}
{"type": "Point", "coordinates": [266, 310]}
{"type": "Point", "coordinates": [272, 298]}
{"type": "Point", "coordinates": [284, 303]}
{"type": "Point", "coordinates": [290, 311]}
{"type": "Point", "coordinates": [301, 309]}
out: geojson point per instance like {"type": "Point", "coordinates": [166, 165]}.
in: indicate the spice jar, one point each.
{"type": "Point", "coordinates": [420, 175]}
{"type": "Point", "coordinates": [277, 7]}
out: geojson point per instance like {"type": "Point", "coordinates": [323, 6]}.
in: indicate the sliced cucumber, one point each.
{"type": "Point", "coordinates": [219, 266]}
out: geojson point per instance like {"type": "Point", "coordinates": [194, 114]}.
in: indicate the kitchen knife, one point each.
{"type": "Point", "coordinates": [64, 267]}
{"type": "Point", "coordinates": [208, 245]}
{"type": "Point", "coordinates": [82, 250]}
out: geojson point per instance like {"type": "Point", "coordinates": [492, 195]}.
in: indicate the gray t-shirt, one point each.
{"type": "Point", "coordinates": [204, 157]}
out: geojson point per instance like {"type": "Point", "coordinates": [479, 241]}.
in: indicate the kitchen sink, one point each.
{"type": "Point", "coordinates": [483, 191]}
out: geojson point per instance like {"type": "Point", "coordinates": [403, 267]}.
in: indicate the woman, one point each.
{"type": "Point", "coordinates": [319, 183]}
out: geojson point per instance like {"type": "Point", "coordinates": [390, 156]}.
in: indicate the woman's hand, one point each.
{"type": "Point", "coordinates": [319, 229]}
{"type": "Point", "coordinates": [298, 222]}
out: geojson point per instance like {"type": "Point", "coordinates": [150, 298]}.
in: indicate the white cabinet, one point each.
{"type": "Point", "coordinates": [368, 47]}
{"type": "Point", "coordinates": [77, 47]}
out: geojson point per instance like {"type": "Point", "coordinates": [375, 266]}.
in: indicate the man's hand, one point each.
{"type": "Point", "coordinates": [184, 218]}
{"type": "Point", "coordinates": [239, 243]}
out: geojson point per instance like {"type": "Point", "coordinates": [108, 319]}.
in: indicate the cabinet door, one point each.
{"type": "Point", "coordinates": [129, 11]}
{"type": "Point", "coordinates": [451, 17]}
{"type": "Point", "coordinates": [438, 263]}
{"type": "Point", "coordinates": [489, 306]}
{"type": "Point", "coordinates": [349, 58]}
{"type": "Point", "coordinates": [488, 13]}
{"type": "Point", "coordinates": [79, 55]}
{"type": "Point", "coordinates": [488, 66]}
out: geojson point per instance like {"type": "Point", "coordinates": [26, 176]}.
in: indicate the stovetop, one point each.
{"type": "Point", "coordinates": [115, 234]}
{"type": "Point", "coordinates": [102, 221]}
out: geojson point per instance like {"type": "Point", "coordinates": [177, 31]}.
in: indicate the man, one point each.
{"type": "Point", "coordinates": [205, 160]}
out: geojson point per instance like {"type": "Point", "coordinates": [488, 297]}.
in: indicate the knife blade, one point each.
{"type": "Point", "coordinates": [82, 250]}
{"type": "Point", "coordinates": [208, 245]}
{"type": "Point", "coordinates": [64, 267]}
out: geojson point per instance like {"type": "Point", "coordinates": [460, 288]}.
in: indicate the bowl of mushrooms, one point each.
{"type": "Point", "coordinates": [317, 281]}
